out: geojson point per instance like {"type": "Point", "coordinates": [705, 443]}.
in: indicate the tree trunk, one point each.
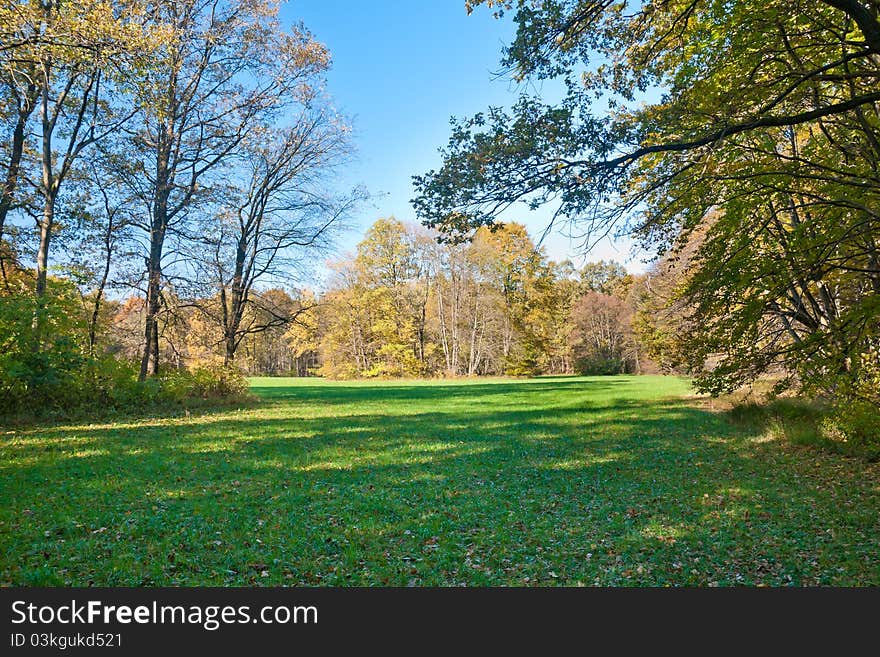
{"type": "Point", "coordinates": [42, 264]}
{"type": "Point", "coordinates": [25, 107]}
{"type": "Point", "coordinates": [46, 224]}
{"type": "Point", "coordinates": [154, 370]}
{"type": "Point", "coordinates": [49, 190]}
{"type": "Point", "coordinates": [99, 293]}
{"type": "Point", "coordinates": [148, 347]}
{"type": "Point", "coordinates": [158, 227]}
{"type": "Point", "coordinates": [237, 299]}
{"type": "Point", "coordinates": [151, 331]}
{"type": "Point", "coordinates": [229, 357]}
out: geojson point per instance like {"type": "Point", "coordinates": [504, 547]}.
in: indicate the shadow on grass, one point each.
{"type": "Point", "coordinates": [352, 393]}
{"type": "Point", "coordinates": [570, 489]}
{"type": "Point", "coordinates": [195, 407]}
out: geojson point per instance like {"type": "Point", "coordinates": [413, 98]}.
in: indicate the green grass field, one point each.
{"type": "Point", "coordinates": [550, 481]}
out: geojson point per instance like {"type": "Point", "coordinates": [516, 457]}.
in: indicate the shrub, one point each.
{"type": "Point", "coordinates": [99, 386]}
{"type": "Point", "coordinates": [598, 365]}
{"type": "Point", "coordinates": [207, 382]}
{"type": "Point", "coordinates": [41, 374]}
{"type": "Point", "coordinates": [56, 376]}
{"type": "Point", "coordinates": [855, 420]}
{"type": "Point", "coordinates": [857, 425]}
{"type": "Point", "coordinates": [851, 427]}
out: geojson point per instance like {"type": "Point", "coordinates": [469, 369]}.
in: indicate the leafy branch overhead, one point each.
{"type": "Point", "coordinates": [719, 70]}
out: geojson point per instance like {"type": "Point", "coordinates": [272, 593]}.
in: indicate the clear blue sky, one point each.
{"type": "Point", "coordinates": [400, 70]}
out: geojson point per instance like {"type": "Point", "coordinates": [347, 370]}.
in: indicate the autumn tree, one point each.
{"type": "Point", "coordinates": [269, 350]}
{"type": "Point", "coordinates": [602, 320]}
{"type": "Point", "coordinates": [515, 267]}
{"type": "Point", "coordinates": [376, 319]}
{"type": "Point", "coordinates": [599, 334]}
{"type": "Point", "coordinates": [603, 277]}
{"type": "Point", "coordinates": [134, 131]}
{"type": "Point", "coordinates": [66, 62]}
{"type": "Point", "coordinates": [407, 305]}
{"type": "Point", "coordinates": [549, 317]}
{"type": "Point", "coordinates": [302, 336]}
{"type": "Point", "coordinates": [19, 89]}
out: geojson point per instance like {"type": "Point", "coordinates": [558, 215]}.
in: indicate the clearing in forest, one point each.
{"type": "Point", "coordinates": [563, 480]}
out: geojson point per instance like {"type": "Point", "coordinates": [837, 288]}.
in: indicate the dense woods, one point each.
{"type": "Point", "coordinates": [406, 305]}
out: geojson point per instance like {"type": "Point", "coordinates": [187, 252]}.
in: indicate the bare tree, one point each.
{"type": "Point", "coordinates": [279, 216]}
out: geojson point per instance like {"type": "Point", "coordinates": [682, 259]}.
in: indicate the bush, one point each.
{"type": "Point", "coordinates": [596, 366]}
{"type": "Point", "coordinates": [857, 425]}
{"type": "Point", "coordinates": [209, 382]}
{"type": "Point", "coordinates": [56, 376]}
{"type": "Point", "coordinates": [44, 374]}
{"type": "Point", "coordinates": [855, 420]}
{"type": "Point", "coordinates": [848, 427]}
{"type": "Point", "coordinates": [42, 386]}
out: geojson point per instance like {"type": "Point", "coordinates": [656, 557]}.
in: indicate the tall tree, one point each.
{"type": "Point", "coordinates": [18, 99]}
{"type": "Point", "coordinates": [228, 68]}
{"type": "Point", "coordinates": [407, 305]}
{"type": "Point", "coordinates": [67, 61]}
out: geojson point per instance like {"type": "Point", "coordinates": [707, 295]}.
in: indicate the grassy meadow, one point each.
{"type": "Point", "coordinates": [547, 481]}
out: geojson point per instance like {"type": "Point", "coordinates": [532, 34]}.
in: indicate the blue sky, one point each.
{"type": "Point", "coordinates": [400, 70]}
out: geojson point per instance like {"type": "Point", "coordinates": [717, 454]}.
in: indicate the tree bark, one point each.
{"type": "Point", "coordinates": [229, 358]}
{"type": "Point", "coordinates": [153, 302]}
{"type": "Point", "coordinates": [158, 228]}
{"type": "Point", "coordinates": [154, 370]}
{"type": "Point", "coordinates": [47, 220]}
{"type": "Point", "coordinates": [25, 108]}
{"type": "Point", "coordinates": [238, 299]}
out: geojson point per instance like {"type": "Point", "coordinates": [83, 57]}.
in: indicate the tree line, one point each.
{"type": "Point", "coordinates": [406, 304]}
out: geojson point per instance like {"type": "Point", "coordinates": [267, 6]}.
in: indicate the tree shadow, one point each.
{"type": "Point", "coordinates": [570, 489]}
{"type": "Point", "coordinates": [352, 392]}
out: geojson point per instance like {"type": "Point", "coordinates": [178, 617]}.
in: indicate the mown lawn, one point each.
{"type": "Point", "coordinates": [551, 481]}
